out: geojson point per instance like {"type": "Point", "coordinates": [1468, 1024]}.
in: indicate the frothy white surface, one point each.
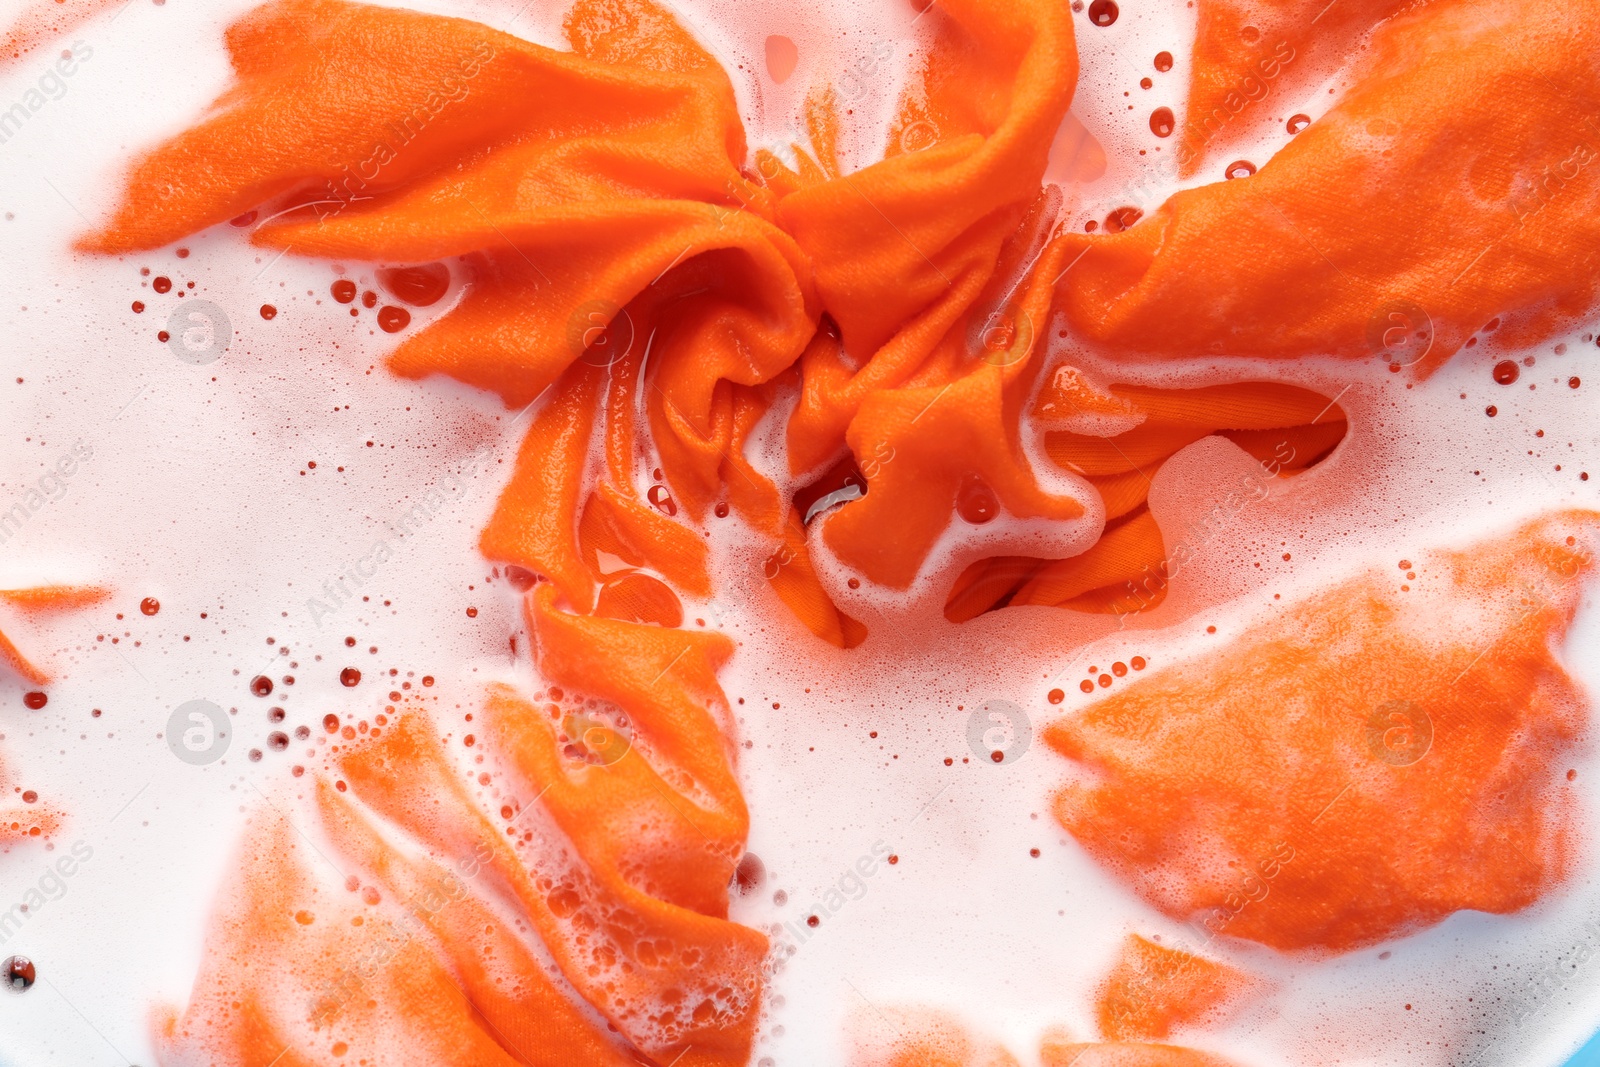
{"type": "Point", "coordinates": [194, 494]}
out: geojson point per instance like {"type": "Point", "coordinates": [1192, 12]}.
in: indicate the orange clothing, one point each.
{"type": "Point", "coordinates": [1378, 756]}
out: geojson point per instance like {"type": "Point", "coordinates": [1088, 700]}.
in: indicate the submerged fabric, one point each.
{"type": "Point", "coordinates": [1153, 989]}
{"type": "Point", "coordinates": [1375, 758]}
{"type": "Point", "coordinates": [1470, 112]}
{"type": "Point", "coordinates": [652, 292]}
{"type": "Point", "coordinates": [922, 1037]}
{"type": "Point", "coordinates": [42, 599]}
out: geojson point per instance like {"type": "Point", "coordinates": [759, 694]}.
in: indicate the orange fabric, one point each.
{"type": "Point", "coordinates": [54, 597]}
{"type": "Point", "coordinates": [1285, 428]}
{"type": "Point", "coordinates": [1128, 1054]}
{"type": "Point", "coordinates": [656, 299]}
{"type": "Point", "coordinates": [1317, 250]}
{"type": "Point", "coordinates": [1357, 768]}
{"type": "Point", "coordinates": [407, 956]}
{"type": "Point", "coordinates": [1247, 52]}
{"type": "Point", "coordinates": [1152, 989]}
{"type": "Point", "coordinates": [899, 1037]}
{"type": "Point", "coordinates": [37, 599]}
{"type": "Point", "coordinates": [13, 658]}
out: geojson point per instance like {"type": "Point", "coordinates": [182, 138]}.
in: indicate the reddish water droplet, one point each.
{"type": "Point", "coordinates": [1137, 663]}
{"type": "Point", "coordinates": [1506, 371]}
{"type": "Point", "coordinates": [1491, 411]}
{"type": "Point", "coordinates": [29, 796]}
{"type": "Point", "coordinates": [163, 337]}
{"type": "Point", "coordinates": [1086, 685]}
{"type": "Point", "coordinates": [1119, 668]}
{"type": "Point", "coordinates": [1162, 122]}
{"type": "Point", "coordinates": [343, 290]}
{"type": "Point", "coordinates": [149, 605]}
{"type": "Point", "coordinates": [1239, 168]}
{"type": "Point", "coordinates": [277, 740]}
{"type": "Point", "coordinates": [662, 499]}
{"type": "Point", "coordinates": [369, 299]}
{"type": "Point", "coordinates": [1297, 123]}
{"type": "Point", "coordinates": [349, 677]}
{"type": "Point", "coordinates": [749, 875]}
{"type": "Point", "coordinates": [975, 501]}
{"type": "Point", "coordinates": [1122, 218]}
{"type": "Point", "coordinates": [812, 920]}
{"type": "Point", "coordinates": [393, 319]}
{"type": "Point", "coordinates": [276, 714]}
{"type": "Point", "coordinates": [20, 974]}
{"type": "Point", "coordinates": [427, 679]}
{"type": "Point", "coordinates": [1056, 696]}
{"type": "Point", "coordinates": [472, 613]}
{"type": "Point", "coordinates": [162, 284]}
{"type": "Point", "coordinates": [1103, 12]}
{"type": "Point", "coordinates": [1574, 382]}
{"type": "Point", "coordinates": [1163, 61]}
{"type": "Point", "coordinates": [138, 307]}
{"type": "Point", "coordinates": [261, 685]}
{"type": "Point", "coordinates": [722, 508]}
{"type": "Point", "coordinates": [782, 57]}
{"type": "Point", "coordinates": [420, 286]}
{"type": "Point", "coordinates": [1147, 83]}
{"type": "Point", "coordinates": [330, 723]}
{"type": "Point", "coordinates": [269, 312]}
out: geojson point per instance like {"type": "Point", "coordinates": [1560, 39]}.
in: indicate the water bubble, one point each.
{"type": "Point", "coordinates": [661, 497]}
{"type": "Point", "coordinates": [976, 503]}
{"type": "Point", "coordinates": [749, 875]}
{"type": "Point", "coordinates": [420, 286]}
{"type": "Point", "coordinates": [1122, 218]}
{"type": "Point", "coordinates": [20, 974]}
{"type": "Point", "coordinates": [393, 319]}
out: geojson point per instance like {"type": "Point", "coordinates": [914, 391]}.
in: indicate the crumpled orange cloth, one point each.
{"type": "Point", "coordinates": [658, 293]}
{"type": "Point", "coordinates": [1378, 756]}
{"type": "Point", "coordinates": [1453, 184]}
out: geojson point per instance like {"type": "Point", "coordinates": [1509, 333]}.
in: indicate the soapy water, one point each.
{"type": "Point", "coordinates": [201, 494]}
